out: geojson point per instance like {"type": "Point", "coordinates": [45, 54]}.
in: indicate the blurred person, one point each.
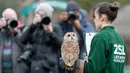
{"type": "Point", "coordinates": [74, 12]}
{"type": "Point", "coordinates": [9, 49]}
{"type": "Point", "coordinates": [9, 13]}
{"type": "Point", "coordinates": [42, 40]}
{"type": "Point", "coordinates": [108, 50]}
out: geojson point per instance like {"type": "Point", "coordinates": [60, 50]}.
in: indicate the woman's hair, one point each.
{"type": "Point", "coordinates": [110, 9]}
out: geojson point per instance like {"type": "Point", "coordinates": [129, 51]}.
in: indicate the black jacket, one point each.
{"type": "Point", "coordinates": [44, 45]}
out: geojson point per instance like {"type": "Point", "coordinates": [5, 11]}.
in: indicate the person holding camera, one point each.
{"type": "Point", "coordinates": [42, 40]}
{"type": "Point", "coordinates": [9, 48]}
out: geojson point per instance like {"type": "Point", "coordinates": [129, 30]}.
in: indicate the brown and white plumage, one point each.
{"type": "Point", "coordinates": [70, 49]}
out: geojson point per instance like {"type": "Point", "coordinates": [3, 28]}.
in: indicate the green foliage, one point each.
{"type": "Point", "coordinates": [87, 4]}
{"type": "Point", "coordinates": [6, 4]}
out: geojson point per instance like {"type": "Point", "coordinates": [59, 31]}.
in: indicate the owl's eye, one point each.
{"type": "Point", "coordinates": [73, 34]}
{"type": "Point", "coordinates": [69, 35]}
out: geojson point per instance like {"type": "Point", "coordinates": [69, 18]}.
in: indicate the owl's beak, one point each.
{"type": "Point", "coordinates": [72, 38]}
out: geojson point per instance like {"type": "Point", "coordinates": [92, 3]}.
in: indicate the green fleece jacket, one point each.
{"type": "Point", "coordinates": [107, 54]}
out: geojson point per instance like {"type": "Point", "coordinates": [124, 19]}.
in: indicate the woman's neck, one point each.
{"type": "Point", "coordinates": [106, 24]}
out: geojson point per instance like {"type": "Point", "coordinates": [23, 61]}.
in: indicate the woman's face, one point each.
{"type": "Point", "coordinates": [100, 19]}
{"type": "Point", "coordinates": [97, 20]}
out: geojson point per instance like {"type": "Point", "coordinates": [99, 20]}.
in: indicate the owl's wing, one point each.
{"type": "Point", "coordinates": [63, 50]}
{"type": "Point", "coordinates": [70, 50]}
{"type": "Point", "coordinates": [75, 50]}
{"type": "Point", "coordinates": [76, 47]}
{"type": "Point", "coordinates": [70, 46]}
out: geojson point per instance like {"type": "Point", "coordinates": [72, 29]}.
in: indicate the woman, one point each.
{"type": "Point", "coordinates": [108, 50]}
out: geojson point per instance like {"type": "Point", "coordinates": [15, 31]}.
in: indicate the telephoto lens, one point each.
{"type": "Point", "coordinates": [12, 23]}
{"type": "Point", "coordinates": [72, 16]}
{"type": "Point", "coordinates": [27, 54]}
{"type": "Point", "coordinates": [24, 57]}
{"type": "Point", "coordinates": [46, 20]}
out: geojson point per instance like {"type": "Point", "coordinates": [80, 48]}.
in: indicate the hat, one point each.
{"type": "Point", "coordinates": [46, 7]}
{"type": "Point", "coordinates": [72, 6]}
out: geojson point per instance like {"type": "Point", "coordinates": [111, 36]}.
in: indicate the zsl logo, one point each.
{"type": "Point", "coordinates": [119, 49]}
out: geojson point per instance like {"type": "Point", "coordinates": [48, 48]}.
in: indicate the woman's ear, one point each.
{"type": "Point", "coordinates": [103, 17]}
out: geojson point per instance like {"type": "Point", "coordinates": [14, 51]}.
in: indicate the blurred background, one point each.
{"type": "Point", "coordinates": [26, 8]}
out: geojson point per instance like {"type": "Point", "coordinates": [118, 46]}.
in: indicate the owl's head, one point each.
{"type": "Point", "coordinates": [71, 36]}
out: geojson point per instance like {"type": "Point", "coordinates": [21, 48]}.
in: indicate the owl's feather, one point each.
{"type": "Point", "coordinates": [70, 49]}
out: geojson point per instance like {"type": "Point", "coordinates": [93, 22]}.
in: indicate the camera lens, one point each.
{"type": "Point", "coordinates": [72, 15]}
{"type": "Point", "coordinates": [46, 20]}
{"type": "Point", "coordinates": [12, 23]}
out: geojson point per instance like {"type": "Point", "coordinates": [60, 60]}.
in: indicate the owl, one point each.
{"type": "Point", "coordinates": [70, 49]}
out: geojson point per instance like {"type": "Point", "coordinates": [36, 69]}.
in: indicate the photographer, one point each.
{"type": "Point", "coordinates": [9, 49]}
{"type": "Point", "coordinates": [44, 40]}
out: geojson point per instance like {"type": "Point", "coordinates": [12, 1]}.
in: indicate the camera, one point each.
{"type": "Point", "coordinates": [71, 15]}
{"type": "Point", "coordinates": [45, 20]}
{"type": "Point", "coordinates": [24, 57]}
{"type": "Point", "coordinates": [12, 23]}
